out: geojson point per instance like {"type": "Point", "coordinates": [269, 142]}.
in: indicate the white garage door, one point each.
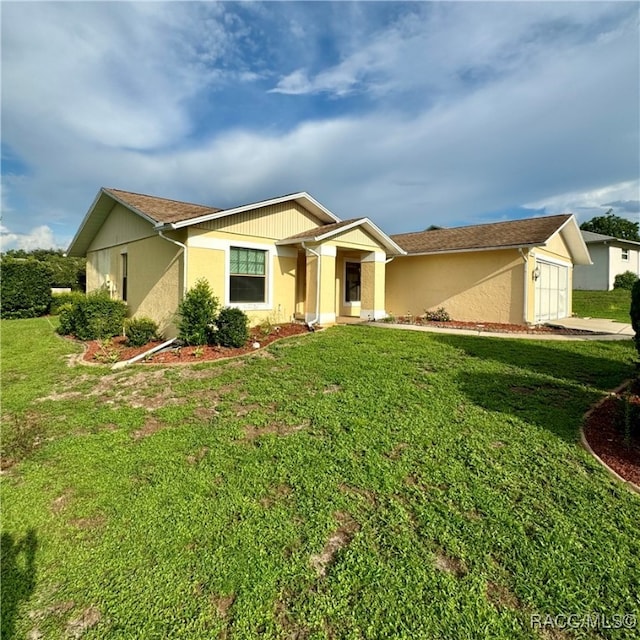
{"type": "Point", "coordinates": [552, 292]}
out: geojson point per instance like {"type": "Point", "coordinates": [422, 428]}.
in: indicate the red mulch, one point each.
{"type": "Point", "coordinates": [495, 327]}
{"type": "Point", "coordinates": [604, 432]}
{"type": "Point", "coordinates": [116, 350]}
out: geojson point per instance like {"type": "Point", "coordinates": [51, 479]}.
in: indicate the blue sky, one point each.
{"type": "Point", "coordinates": [410, 113]}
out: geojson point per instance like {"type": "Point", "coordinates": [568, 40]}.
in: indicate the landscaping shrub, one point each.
{"type": "Point", "coordinates": [197, 314]}
{"type": "Point", "coordinates": [140, 331]}
{"type": "Point", "coordinates": [625, 280]}
{"type": "Point", "coordinates": [25, 288]}
{"type": "Point", "coordinates": [59, 300]}
{"type": "Point", "coordinates": [94, 317]}
{"type": "Point", "coordinates": [232, 328]}
{"type": "Point", "coordinates": [65, 314]}
{"type": "Point", "coordinates": [634, 312]}
{"type": "Point", "coordinates": [439, 315]}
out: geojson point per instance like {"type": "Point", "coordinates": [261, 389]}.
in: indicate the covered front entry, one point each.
{"type": "Point", "coordinates": [551, 291]}
{"type": "Point", "coordinates": [332, 281]}
{"type": "Point", "coordinates": [340, 271]}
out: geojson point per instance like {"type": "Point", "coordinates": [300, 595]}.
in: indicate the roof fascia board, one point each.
{"type": "Point", "coordinates": [578, 238]}
{"type": "Point", "coordinates": [256, 205]}
{"type": "Point", "coordinates": [472, 250]}
{"type": "Point", "coordinates": [85, 220]}
{"type": "Point", "coordinates": [375, 231]}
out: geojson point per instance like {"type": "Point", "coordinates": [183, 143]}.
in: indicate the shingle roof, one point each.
{"type": "Point", "coordinates": [161, 209]}
{"type": "Point", "coordinates": [324, 229]}
{"type": "Point", "coordinates": [498, 235]}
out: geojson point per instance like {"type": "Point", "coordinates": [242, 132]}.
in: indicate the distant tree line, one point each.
{"type": "Point", "coordinates": [65, 271]}
{"type": "Point", "coordinates": [611, 225]}
{"type": "Point", "coordinates": [27, 278]}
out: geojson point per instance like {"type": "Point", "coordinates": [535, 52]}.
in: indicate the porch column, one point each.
{"type": "Point", "coordinates": [372, 272]}
{"type": "Point", "coordinates": [321, 270]}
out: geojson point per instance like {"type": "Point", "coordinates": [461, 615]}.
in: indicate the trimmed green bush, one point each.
{"type": "Point", "coordinates": [59, 300]}
{"type": "Point", "coordinates": [634, 312]}
{"type": "Point", "coordinates": [140, 331]}
{"type": "Point", "coordinates": [65, 315]}
{"type": "Point", "coordinates": [93, 317]}
{"type": "Point", "coordinates": [25, 288]}
{"type": "Point", "coordinates": [625, 280]}
{"type": "Point", "coordinates": [232, 328]}
{"type": "Point", "coordinates": [197, 314]}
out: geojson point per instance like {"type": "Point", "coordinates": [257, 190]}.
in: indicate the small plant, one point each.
{"type": "Point", "coordinates": [439, 315]}
{"type": "Point", "coordinates": [107, 352]}
{"type": "Point", "coordinates": [233, 327]}
{"type": "Point", "coordinates": [625, 280]}
{"type": "Point", "coordinates": [140, 331]}
{"type": "Point", "coordinates": [197, 314]}
{"type": "Point", "coordinates": [198, 352]}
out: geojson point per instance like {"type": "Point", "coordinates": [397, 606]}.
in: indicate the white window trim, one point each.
{"type": "Point", "coordinates": [624, 255]}
{"type": "Point", "coordinates": [270, 250]}
{"type": "Point", "coordinates": [345, 302]}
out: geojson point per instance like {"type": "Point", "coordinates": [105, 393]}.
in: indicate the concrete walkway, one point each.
{"type": "Point", "coordinates": [606, 330]}
{"type": "Point", "coordinates": [598, 325]}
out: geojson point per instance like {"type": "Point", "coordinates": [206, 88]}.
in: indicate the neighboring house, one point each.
{"type": "Point", "coordinates": [610, 256]}
{"type": "Point", "coordinates": [290, 257]}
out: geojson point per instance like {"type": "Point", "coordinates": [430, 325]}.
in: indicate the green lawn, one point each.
{"type": "Point", "coordinates": [352, 483]}
{"type": "Point", "coordinates": [613, 305]}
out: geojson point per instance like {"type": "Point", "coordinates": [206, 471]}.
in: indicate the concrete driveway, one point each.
{"type": "Point", "coordinates": [598, 325]}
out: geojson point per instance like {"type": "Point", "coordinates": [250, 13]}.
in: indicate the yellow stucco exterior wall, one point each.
{"type": "Point", "coordinates": [208, 253]}
{"type": "Point", "coordinates": [476, 286]}
{"type": "Point", "coordinates": [154, 282]}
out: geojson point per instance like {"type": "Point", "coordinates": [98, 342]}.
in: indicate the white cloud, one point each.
{"type": "Point", "coordinates": [440, 143]}
{"type": "Point", "coordinates": [38, 238]}
{"type": "Point", "coordinates": [586, 204]}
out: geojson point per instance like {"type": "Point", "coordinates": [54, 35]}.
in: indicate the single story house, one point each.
{"type": "Point", "coordinates": [610, 256]}
{"type": "Point", "coordinates": [291, 258]}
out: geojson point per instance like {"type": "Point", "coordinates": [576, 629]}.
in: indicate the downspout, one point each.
{"type": "Point", "coordinates": [184, 259]}
{"type": "Point", "coordinates": [313, 322]}
{"type": "Point", "coordinates": [525, 257]}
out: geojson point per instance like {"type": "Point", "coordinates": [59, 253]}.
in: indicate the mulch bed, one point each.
{"type": "Point", "coordinates": [494, 327]}
{"type": "Point", "coordinates": [116, 349]}
{"type": "Point", "coordinates": [604, 431]}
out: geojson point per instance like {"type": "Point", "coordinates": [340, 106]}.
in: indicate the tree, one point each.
{"type": "Point", "coordinates": [612, 225]}
{"type": "Point", "coordinates": [66, 271]}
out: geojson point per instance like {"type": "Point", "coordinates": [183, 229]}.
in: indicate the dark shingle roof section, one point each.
{"type": "Point", "coordinates": [498, 235]}
{"type": "Point", "coordinates": [162, 210]}
{"type": "Point", "coordinates": [325, 228]}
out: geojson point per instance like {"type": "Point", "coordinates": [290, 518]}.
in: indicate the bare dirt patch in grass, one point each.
{"type": "Point", "coordinates": [340, 538]}
{"type": "Point", "coordinates": [448, 564]}
{"type": "Point", "coordinates": [501, 597]}
{"type": "Point", "coordinates": [251, 432]}
{"type": "Point", "coordinates": [93, 522]}
{"type": "Point", "coordinates": [198, 456]}
{"type": "Point", "coordinates": [332, 388]}
{"type": "Point", "coordinates": [87, 619]}
{"type": "Point", "coordinates": [276, 494]}
{"type": "Point", "coordinates": [151, 426]}
{"type": "Point", "coordinates": [222, 604]}
{"type": "Point", "coordinates": [60, 503]}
